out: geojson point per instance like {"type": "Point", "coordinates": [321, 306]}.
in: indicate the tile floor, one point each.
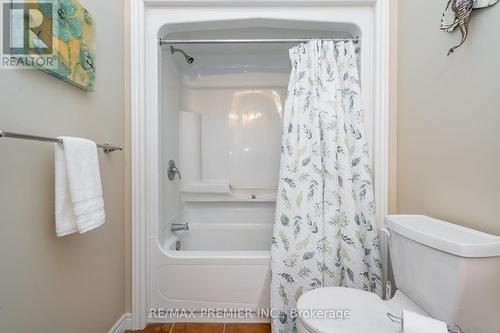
{"type": "Point", "coordinates": [205, 328]}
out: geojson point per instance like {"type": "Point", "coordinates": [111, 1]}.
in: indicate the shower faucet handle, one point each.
{"type": "Point", "coordinates": [173, 170]}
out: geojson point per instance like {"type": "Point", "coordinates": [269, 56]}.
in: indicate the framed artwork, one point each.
{"type": "Point", "coordinates": [73, 39]}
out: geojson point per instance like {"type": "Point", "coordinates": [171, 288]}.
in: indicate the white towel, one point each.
{"type": "Point", "coordinates": [79, 201]}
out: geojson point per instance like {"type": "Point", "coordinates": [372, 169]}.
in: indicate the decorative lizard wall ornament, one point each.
{"type": "Point", "coordinates": [458, 14]}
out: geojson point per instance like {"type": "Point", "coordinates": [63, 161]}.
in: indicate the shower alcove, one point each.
{"type": "Point", "coordinates": [219, 119]}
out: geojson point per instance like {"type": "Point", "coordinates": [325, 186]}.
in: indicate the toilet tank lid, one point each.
{"type": "Point", "coordinates": [444, 236]}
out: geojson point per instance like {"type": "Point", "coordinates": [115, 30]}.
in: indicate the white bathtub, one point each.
{"type": "Point", "coordinates": [220, 266]}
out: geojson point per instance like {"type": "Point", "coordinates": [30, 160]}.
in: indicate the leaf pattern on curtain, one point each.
{"type": "Point", "coordinates": [324, 233]}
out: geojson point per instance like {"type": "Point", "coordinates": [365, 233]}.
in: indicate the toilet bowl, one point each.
{"type": "Point", "coordinates": [347, 310]}
{"type": "Point", "coordinates": [441, 270]}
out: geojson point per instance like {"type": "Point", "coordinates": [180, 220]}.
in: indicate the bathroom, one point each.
{"type": "Point", "coordinates": [195, 94]}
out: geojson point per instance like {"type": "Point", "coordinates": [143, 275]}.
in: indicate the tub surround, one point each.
{"type": "Point", "coordinates": [220, 121]}
{"type": "Point", "coordinates": [233, 165]}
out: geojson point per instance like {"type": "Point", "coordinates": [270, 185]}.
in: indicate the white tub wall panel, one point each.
{"type": "Point", "coordinates": [226, 237]}
{"type": "Point", "coordinates": [236, 73]}
{"type": "Point", "coordinates": [215, 137]}
{"type": "Point", "coordinates": [241, 124]}
{"type": "Point", "coordinates": [189, 148]}
{"type": "Point", "coordinates": [170, 202]}
{"type": "Point", "coordinates": [230, 212]}
{"type": "Point", "coordinates": [255, 126]}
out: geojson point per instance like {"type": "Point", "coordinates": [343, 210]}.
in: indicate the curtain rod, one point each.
{"type": "Point", "coordinates": [164, 41]}
{"type": "Point", "coordinates": [3, 134]}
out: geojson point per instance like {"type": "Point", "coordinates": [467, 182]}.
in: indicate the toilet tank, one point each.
{"type": "Point", "coordinates": [451, 272]}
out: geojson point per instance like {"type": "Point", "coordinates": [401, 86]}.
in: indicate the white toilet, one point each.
{"type": "Point", "coordinates": [442, 270]}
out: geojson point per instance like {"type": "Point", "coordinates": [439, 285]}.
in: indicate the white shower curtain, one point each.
{"type": "Point", "coordinates": [324, 232]}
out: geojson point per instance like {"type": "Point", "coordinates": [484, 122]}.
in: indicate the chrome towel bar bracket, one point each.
{"type": "Point", "coordinates": [4, 134]}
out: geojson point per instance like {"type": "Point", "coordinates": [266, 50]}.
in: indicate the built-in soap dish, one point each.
{"type": "Point", "coordinates": [221, 192]}
{"type": "Point", "coordinates": [253, 193]}
{"type": "Point", "coordinates": [206, 188]}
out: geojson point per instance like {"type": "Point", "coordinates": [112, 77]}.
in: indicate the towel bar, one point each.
{"type": "Point", "coordinates": [3, 134]}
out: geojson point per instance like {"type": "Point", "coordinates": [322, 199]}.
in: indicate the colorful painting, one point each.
{"type": "Point", "coordinates": [73, 40]}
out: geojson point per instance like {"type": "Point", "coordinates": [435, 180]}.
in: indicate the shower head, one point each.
{"type": "Point", "coordinates": [188, 58]}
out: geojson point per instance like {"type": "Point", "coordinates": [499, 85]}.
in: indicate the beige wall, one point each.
{"type": "Point", "coordinates": [393, 104]}
{"type": "Point", "coordinates": [448, 118]}
{"type": "Point", "coordinates": [75, 283]}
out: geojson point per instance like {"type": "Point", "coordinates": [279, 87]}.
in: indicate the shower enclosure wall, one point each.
{"type": "Point", "coordinates": [220, 122]}
{"type": "Point", "coordinates": [218, 119]}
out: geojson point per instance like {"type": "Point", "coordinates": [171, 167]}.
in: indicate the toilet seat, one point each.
{"type": "Point", "coordinates": [368, 312]}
